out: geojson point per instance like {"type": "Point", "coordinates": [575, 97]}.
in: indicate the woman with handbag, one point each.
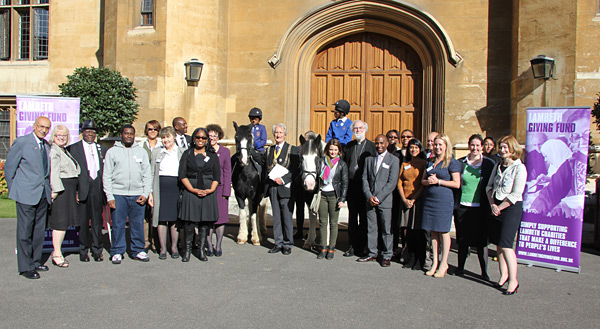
{"type": "Point", "coordinates": [505, 194]}
{"type": "Point", "coordinates": [164, 164]}
{"type": "Point", "coordinates": [334, 186]}
{"type": "Point", "coordinates": [199, 172]}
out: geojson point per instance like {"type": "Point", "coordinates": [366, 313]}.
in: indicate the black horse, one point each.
{"type": "Point", "coordinates": [247, 184]}
{"type": "Point", "coordinates": [307, 184]}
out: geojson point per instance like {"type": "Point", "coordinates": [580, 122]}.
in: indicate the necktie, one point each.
{"type": "Point", "coordinates": [44, 157]}
{"type": "Point", "coordinates": [182, 141]}
{"type": "Point", "coordinates": [92, 167]}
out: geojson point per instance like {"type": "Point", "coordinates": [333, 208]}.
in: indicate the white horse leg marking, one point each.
{"type": "Point", "coordinates": [243, 231]}
{"type": "Point", "coordinates": [309, 165]}
{"type": "Point", "coordinates": [255, 234]}
{"type": "Point", "coordinates": [262, 209]}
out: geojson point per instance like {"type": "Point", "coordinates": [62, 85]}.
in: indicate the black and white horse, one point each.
{"type": "Point", "coordinates": [248, 185]}
{"type": "Point", "coordinates": [307, 185]}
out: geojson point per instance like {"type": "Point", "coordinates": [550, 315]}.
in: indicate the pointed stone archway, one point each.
{"type": "Point", "coordinates": [334, 21]}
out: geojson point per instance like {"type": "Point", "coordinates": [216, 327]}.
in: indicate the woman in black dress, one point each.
{"type": "Point", "coordinates": [199, 172]}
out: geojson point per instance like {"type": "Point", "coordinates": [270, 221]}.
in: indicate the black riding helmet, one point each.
{"type": "Point", "coordinates": [255, 112]}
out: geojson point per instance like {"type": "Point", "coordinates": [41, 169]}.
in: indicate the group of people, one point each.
{"type": "Point", "coordinates": [401, 195]}
{"type": "Point", "coordinates": [401, 192]}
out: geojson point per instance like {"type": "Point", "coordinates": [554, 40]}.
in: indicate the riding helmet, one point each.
{"type": "Point", "coordinates": [255, 112]}
{"type": "Point", "coordinates": [342, 106]}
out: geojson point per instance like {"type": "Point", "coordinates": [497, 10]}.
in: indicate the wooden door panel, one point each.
{"type": "Point", "coordinates": [379, 76]}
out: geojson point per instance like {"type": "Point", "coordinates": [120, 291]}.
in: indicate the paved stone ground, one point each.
{"type": "Point", "coordinates": [249, 288]}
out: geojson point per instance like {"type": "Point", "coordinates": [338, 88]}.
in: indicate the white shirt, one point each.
{"type": "Point", "coordinates": [181, 141]}
{"type": "Point", "coordinates": [169, 164]}
{"type": "Point", "coordinates": [329, 187]}
{"type": "Point", "coordinates": [380, 161]}
{"type": "Point", "coordinates": [91, 158]}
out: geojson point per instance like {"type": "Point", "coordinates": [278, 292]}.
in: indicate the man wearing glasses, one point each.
{"type": "Point", "coordinates": [355, 154]}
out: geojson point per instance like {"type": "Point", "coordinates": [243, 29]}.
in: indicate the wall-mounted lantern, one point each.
{"type": "Point", "coordinates": [193, 70]}
{"type": "Point", "coordinates": [542, 67]}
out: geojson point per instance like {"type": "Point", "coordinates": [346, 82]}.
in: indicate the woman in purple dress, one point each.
{"type": "Point", "coordinates": [215, 133]}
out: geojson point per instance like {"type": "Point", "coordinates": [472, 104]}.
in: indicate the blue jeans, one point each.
{"type": "Point", "coordinates": [126, 206]}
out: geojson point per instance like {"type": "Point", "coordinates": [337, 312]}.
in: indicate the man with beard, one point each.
{"type": "Point", "coordinates": [354, 155]}
{"type": "Point", "coordinates": [181, 139]}
{"type": "Point", "coordinates": [127, 182]}
{"type": "Point", "coordinates": [90, 156]}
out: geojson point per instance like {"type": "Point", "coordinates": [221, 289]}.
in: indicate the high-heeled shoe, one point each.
{"type": "Point", "coordinates": [430, 272]}
{"type": "Point", "coordinates": [508, 293]}
{"type": "Point", "coordinates": [500, 285]}
{"type": "Point", "coordinates": [440, 274]}
{"type": "Point", "coordinates": [62, 261]}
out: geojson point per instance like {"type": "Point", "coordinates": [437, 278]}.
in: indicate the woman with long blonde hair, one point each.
{"type": "Point", "coordinates": [441, 178]}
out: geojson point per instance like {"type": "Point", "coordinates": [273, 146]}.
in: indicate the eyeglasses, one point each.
{"type": "Point", "coordinates": [201, 137]}
{"type": "Point", "coordinates": [406, 136]}
{"type": "Point", "coordinates": [63, 136]}
{"type": "Point", "coordinates": [151, 129]}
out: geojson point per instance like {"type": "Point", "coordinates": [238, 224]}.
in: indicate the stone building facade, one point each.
{"type": "Point", "coordinates": [457, 66]}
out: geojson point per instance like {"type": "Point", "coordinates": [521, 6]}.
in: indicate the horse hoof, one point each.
{"type": "Point", "coordinates": [256, 243]}
{"type": "Point", "coordinates": [241, 241]}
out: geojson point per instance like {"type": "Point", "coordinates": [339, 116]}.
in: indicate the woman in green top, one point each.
{"type": "Point", "coordinates": [471, 206]}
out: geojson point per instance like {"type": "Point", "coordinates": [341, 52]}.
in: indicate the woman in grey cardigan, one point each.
{"type": "Point", "coordinates": [505, 194]}
{"type": "Point", "coordinates": [164, 165]}
{"type": "Point", "coordinates": [63, 181]}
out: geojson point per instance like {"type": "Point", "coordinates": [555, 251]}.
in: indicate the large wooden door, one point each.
{"type": "Point", "coordinates": [379, 76]}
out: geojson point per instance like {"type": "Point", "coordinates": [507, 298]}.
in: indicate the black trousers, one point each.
{"type": "Point", "coordinates": [283, 226]}
{"type": "Point", "coordinates": [90, 236]}
{"type": "Point", "coordinates": [31, 225]}
{"type": "Point", "coordinates": [357, 221]}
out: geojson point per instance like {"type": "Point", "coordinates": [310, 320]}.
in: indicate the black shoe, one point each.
{"type": "Point", "coordinates": [349, 253]}
{"type": "Point", "coordinates": [485, 277]}
{"type": "Point", "coordinates": [175, 255]}
{"type": "Point", "coordinates": [322, 254]}
{"type": "Point", "coordinates": [459, 272]}
{"type": "Point", "coordinates": [287, 251]}
{"type": "Point", "coordinates": [367, 259]}
{"type": "Point", "coordinates": [275, 250]}
{"type": "Point", "coordinates": [162, 256]}
{"type": "Point", "coordinates": [41, 268]}
{"type": "Point", "coordinates": [330, 252]}
{"type": "Point", "coordinates": [209, 253]}
{"type": "Point", "coordinates": [385, 263]}
{"type": "Point", "coordinates": [218, 253]}
{"type": "Point", "coordinates": [33, 274]}
{"type": "Point", "coordinates": [508, 293]}
{"type": "Point", "coordinates": [84, 258]}
{"type": "Point", "coordinates": [98, 258]}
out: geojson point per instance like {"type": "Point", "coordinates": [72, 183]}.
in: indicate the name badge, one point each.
{"type": "Point", "coordinates": [356, 167]}
{"type": "Point", "coordinates": [158, 160]}
{"type": "Point", "coordinates": [137, 160]}
{"type": "Point", "coordinates": [386, 166]}
{"type": "Point", "coordinates": [206, 159]}
{"type": "Point", "coordinates": [407, 167]}
{"type": "Point", "coordinates": [430, 169]}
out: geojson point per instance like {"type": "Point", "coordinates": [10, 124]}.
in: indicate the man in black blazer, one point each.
{"type": "Point", "coordinates": [279, 156]}
{"type": "Point", "coordinates": [184, 141]}
{"type": "Point", "coordinates": [27, 172]}
{"type": "Point", "coordinates": [90, 157]}
{"type": "Point", "coordinates": [380, 178]}
{"type": "Point", "coordinates": [354, 155]}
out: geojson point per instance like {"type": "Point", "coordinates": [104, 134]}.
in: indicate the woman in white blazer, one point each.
{"type": "Point", "coordinates": [505, 194]}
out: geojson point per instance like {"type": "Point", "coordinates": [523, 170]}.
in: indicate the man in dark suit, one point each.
{"type": "Point", "coordinates": [27, 171]}
{"type": "Point", "coordinates": [354, 155]}
{"type": "Point", "coordinates": [181, 139]}
{"type": "Point", "coordinates": [90, 157]}
{"type": "Point", "coordinates": [380, 178]}
{"type": "Point", "coordinates": [283, 161]}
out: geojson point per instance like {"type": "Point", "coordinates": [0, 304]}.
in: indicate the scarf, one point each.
{"type": "Point", "coordinates": [329, 164]}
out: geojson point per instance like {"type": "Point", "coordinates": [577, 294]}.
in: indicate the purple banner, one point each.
{"type": "Point", "coordinates": [60, 110]}
{"type": "Point", "coordinates": [556, 160]}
